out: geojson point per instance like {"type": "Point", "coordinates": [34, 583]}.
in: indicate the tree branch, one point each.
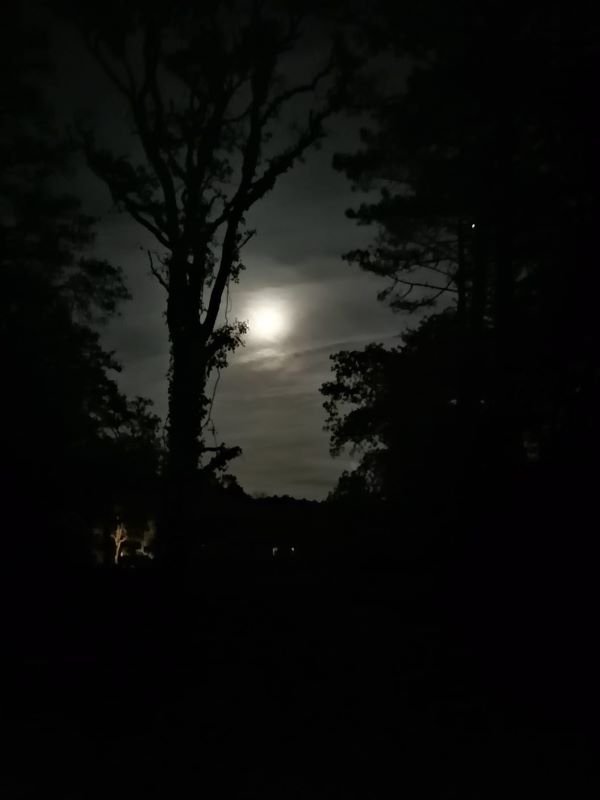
{"type": "Point", "coordinates": [95, 48]}
{"type": "Point", "coordinates": [246, 239]}
{"type": "Point", "coordinates": [284, 97]}
{"type": "Point", "coordinates": [420, 285]}
{"type": "Point", "coordinates": [227, 257]}
{"type": "Point", "coordinates": [150, 138]}
{"type": "Point", "coordinates": [156, 273]}
{"type": "Point", "coordinates": [136, 212]}
{"type": "Point", "coordinates": [436, 269]}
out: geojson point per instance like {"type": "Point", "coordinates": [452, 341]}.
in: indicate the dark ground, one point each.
{"type": "Point", "coordinates": [301, 680]}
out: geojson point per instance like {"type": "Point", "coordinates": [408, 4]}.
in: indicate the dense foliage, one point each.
{"type": "Point", "coordinates": [487, 170]}
{"type": "Point", "coordinates": [72, 444]}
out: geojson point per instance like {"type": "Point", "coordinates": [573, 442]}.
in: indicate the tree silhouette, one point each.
{"type": "Point", "coordinates": [204, 91]}
{"type": "Point", "coordinates": [488, 188]}
{"type": "Point", "coordinates": [62, 407]}
{"type": "Point", "coordinates": [397, 408]}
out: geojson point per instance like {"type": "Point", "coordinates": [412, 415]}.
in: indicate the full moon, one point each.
{"type": "Point", "coordinates": [268, 322]}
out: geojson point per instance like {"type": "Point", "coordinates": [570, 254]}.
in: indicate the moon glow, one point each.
{"type": "Point", "coordinates": [268, 322]}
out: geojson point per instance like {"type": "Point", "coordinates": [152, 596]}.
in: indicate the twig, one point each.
{"type": "Point", "coordinates": [156, 273]}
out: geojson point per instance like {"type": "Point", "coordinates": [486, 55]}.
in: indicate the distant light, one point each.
{"type": "Point", "coordinates": [473, 225]}
{"type": "Point", "coordinates": [293, 549]}
{"type": "Point", "coordinates": [275, 551]}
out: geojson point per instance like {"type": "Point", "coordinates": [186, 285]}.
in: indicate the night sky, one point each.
{"type": "Point", "coordinates": [268, 400]}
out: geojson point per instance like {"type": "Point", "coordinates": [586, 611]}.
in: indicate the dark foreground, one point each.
{"type": "Point", "coordinates": [305, 680]}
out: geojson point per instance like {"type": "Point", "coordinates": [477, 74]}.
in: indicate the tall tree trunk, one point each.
{"type": "Point", "coordinates": [474, 384]}
{"type": "Point", "coordinates": [471, 284]}
{"type": "Point", "coordinates": [505, 423]}
{"type": "Point", "coordinates": [463, 345]}
{"type": "Point", "coordinates": [461, 278]}
{"type": "Point", "coordinates": [187, 385]}
{"type": "Point", "coordinates": [507, 435]}
{"type": "Point", "coordinates": [187, 382]}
